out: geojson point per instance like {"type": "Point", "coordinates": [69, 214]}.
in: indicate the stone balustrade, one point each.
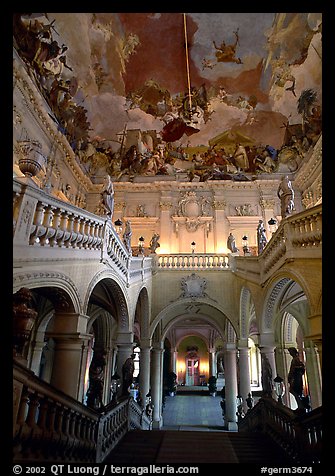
{"type": "Point", "coordinates": [299, 435]}
{"type": "Point", "coordinates": [49, 425]}
{"type": "Point", "coordinates": [43, 221]}
{"type": "Point", "coordinates": [192, 261]}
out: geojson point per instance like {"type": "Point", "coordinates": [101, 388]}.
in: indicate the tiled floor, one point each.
{"type": "Point", "coordinates": [195, 412]}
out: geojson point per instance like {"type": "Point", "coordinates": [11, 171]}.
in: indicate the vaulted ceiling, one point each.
{"type": "Point", "coordinates": [239, 73]}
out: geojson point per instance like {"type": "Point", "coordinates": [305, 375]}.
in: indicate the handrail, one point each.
{"type": "Point", "coordinates": [192, 261]}
{"type": "Point", "coordinates": [50, 426]}
{"type": "Point", "coordinates": [300, 436]}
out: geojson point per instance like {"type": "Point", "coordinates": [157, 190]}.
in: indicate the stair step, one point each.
{"type": "Point", "coordinates": [160, 446]}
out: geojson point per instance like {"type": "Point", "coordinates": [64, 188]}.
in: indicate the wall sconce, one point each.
{"type": "Point", "coordinates": [279, 388]}
{"type": "Point", "coordinates": [118, 226]}
{"type": "Point", "coordinates": [245, 244]}
{"type": "Point", "coordinates": [193, 245]}
{"type": "Point", "coordinates": [141, 244]}
{"type": "Point", "coordinates": [272, 225]}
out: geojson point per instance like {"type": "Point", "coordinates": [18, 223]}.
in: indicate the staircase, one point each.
{"type": "Point", "coordinates": [165, 446]}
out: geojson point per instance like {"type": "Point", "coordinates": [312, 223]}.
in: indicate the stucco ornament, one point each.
{"type": "Point", "coordinates": [193, 286]}
{"type": "Point", "coordinates": [194, 210]}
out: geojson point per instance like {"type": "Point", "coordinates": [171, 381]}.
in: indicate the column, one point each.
{"type": "Point", "coordinates": [212, 362]}
{"type": "Point", "coordinates": [69, 363]}
{"type": "Point", "coordinates": [36, 355]}
{"type": "Point", "coordinates": [107, 375]}
{"type": "Point", "coordinates": [313, 371]}
{"type": "Point", "coordinates": [245, 386]}
{"type": "Point", "coordinates": [144, 376]}
{"type": "Point", "coordinates": [70, 352]}
{"type": "Point", "coordinates": [221, 224]}
{"type": "Point", "coordinates": [125, 345]}
{"type": "Point", "coordinates": [165, 205]}
{"type": "Point", "coordinates": [174, 356]}
{"type": "Point", "coordinates": [231, 386]}
{"type": "Point", "coordinates": [156, 386]}
{"type": "Point", "coordinates": [268, 352]}
{"type": "Point", "coordinates": [283, 361]}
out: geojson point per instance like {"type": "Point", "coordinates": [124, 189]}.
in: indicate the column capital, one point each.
{"type": "Point", "coordinates": [68, 322]}
{"type": "Point", "coordinates": [124, 338]}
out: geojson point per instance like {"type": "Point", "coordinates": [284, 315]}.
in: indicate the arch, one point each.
{"type": "Point", "coordinates": [142, 312]}
{"type": "Point", "coordinates": [184, 306]}
{"type": "Point", "coordinates": [63, 288]}
{"type": "Point", "coordinates": [283, 295]}
{"type": "Point", "coordinates": [107, 283]}
{"type": "Point", "coordinates": [247, 311]}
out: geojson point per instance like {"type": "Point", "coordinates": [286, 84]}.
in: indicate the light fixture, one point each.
{"type": "Point", "coordinates": [118, 226]}
{"type": "Point", "coordinates": [272, 225]}
{"type": "Point", "coordinates": [245, 244]}
{"type": "Point", "coordinates": [279, 388]}
{"type": "Point", "coordinates": [193, 245]}
{"type": "Point", "coordinates": [141, 244]}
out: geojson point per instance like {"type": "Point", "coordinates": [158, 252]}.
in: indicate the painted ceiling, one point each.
{"type": "Point", "coordinates": [179, 86]}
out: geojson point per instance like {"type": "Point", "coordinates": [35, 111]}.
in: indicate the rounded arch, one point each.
{"type": "Point", "coordinates": [201, 306]}
{"type": "Point", "coordinates": [247, 311]}
{"type": "Point", "coordinates": [282, 291]}
{"type": "Point", "coordinates": [142, 312]}
{"type": "Point", "coordinates": [55, 286]}
{"type": "Point", "coordinates": [108, 292]}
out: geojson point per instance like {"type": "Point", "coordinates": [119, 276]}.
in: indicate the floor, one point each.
{"type": "Point", "coordinates": [195, 412]}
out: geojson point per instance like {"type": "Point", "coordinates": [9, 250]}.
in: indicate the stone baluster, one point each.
{"type": "Point", "coordinates": [76, 230]}
{"type": "Point", "coordinates": [37, 228]}
{"type": "Point", "coordinates": [83, 232]}
{"type": "Point", "coordinates": [69, 228]}
{"type": "Point", "coordinates": [56, 225]}
{"type": "Point", "coordinates": [63, 227]}
{"type": "Point", "coordinates": [47, 224]}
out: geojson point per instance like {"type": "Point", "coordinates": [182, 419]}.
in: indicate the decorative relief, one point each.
{"type": "Point", "coordinates": [193, 211]}
{"type": "Point", "coordinates": [120, 206]}
{"type": "Point", "coordinates": [219, 204]}
{"type": "Point", "coordinates": [165, 206]}
{"type": "Point", "coordinates": [244, 210]}
{"type": "Point", "coordinates": [193, 286]}
{"type": "Point", "coordinates": [190, 205]}
{"type": "Point", "coordinates": [267, 203]}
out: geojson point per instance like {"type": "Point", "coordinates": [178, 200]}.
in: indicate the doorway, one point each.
{"type": "Point", "coordinates": [192, 371]}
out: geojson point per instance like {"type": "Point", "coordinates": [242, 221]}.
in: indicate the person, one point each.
{"type": "Point", "coordinates": [107, 196]}
{"type": "Point", "coordinates": [286, 195]}
{"type": "Point", "coordinates": [231, 243]}
{"type": "Point", "coordinates": [127, 236]}
{"type": "Point", "coordinates": [261, 237]}
{"type": "Point", "coordinates": [96, 381]}
{"type": "Point", "coordinates": [296, 372]}
{"type": "Point", "coordinates": [127, 374]}
{"type": "Point", "coordinates": [154, 243]}
{"type": "Point", "coordinates": [267, 382]}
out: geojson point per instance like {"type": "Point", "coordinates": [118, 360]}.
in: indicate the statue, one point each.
{"type": "Point", "coordinates": [127, 374]}
{"type": "Point", "coordinates": [127, 236]}
{"type": "Point", "coordinates": [231, 243]}
{"type": "Point", "coordinates": [286, 194]}
{"type": "Point", "coordinates": [107, 196]}
{"type": "Point", "coordinates": [296, 372]}
{"type": "Point", "coordinates": [96, 381]}
{"type": "Point", "coordinates": [267, 382]}
{"type": "Point", "coordinates": [154, 243]}
{"type": "Point", "coordinates": [261, 237]}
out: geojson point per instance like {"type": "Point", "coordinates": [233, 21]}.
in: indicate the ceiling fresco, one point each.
{"type": "Point", "coordinates": [203, 96]}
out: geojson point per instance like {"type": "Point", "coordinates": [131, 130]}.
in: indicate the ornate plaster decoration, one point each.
{"type": "Point", "coordinates": [193, 286]}
{"type": "Point", "coordinates": [193, 211]}
{"type": "Point", "coordinates": [219, 204]}
{"type": "Point", "coordinates": [271, 302]}
{"type": "Point", "coordinates": [165, 206]}
{"type": "Point", "coordinates": [244, 210]}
